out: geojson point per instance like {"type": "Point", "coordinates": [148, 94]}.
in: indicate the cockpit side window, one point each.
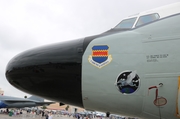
{"type": "Point", "coordinates": [147, 19]}
{"type": "Point", "coordinates": [126, 23]}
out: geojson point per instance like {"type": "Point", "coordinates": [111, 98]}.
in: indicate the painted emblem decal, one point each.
{"type": "Point", "coordinates": [127, 82]}
{"type": "Point", "coordinates": [159, 100]}
{"type": "Point", "coordinates": [100, 56]}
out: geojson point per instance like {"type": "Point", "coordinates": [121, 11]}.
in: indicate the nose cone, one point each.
{"type": "Point", "coordinates": [53, 72]}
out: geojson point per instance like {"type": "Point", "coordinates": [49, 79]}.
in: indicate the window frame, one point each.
{"type": "Point", "coordinates": [127, 19]}
{"type": "Point", "coordinates": [136, 25]}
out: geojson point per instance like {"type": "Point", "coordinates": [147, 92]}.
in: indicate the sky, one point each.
{"type": "Point", "coordinates": [25, 24]}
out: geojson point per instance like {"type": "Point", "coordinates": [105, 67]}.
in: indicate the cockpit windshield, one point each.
{"type": "Point", "coordinates": [126, 23]}
{"type": "Point", "coordinates": [137, 21]}
{"type": "Point", "coordinates": [147, 19]}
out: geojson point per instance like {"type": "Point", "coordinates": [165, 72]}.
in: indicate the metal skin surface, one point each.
{"type": "Point", "coordinates": [75, 73]}
{"type": "Point", "coordinates": [15, 102]}
{"type": "Point", "coordinates": [152, 51]}
{"type": "Point", "coordinates": [52, 71]}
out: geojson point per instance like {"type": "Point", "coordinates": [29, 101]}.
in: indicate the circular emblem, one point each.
{"type": "Point", "coordinates": [127, 82]}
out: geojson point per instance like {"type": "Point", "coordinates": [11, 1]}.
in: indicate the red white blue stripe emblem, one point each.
{"type": "Point", "coordinates": [100, 56]}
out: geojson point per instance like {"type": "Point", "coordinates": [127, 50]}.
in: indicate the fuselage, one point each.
{"type": "Point", "coordinates": [15, 102]}
{"type": "Point", "coordinates": [128, 72]}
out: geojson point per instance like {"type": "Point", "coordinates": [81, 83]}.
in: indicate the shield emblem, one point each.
{"type": "Point", "coordinates": [100, 56]}
{"type": "Point", "coordinates": [100, 53]}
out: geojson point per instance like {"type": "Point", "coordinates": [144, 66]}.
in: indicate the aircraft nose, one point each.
{"type": "Point", "coordinates": [53, 72]}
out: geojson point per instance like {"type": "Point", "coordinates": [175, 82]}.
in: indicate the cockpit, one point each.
{"type": "Point", "coordinates": [138, 20]}
{"type": "Point", "coordinates": [148, 16]}
{"type": "Point", "coordinates": [127, 23]}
